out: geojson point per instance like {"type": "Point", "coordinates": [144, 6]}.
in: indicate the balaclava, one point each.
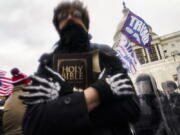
{"type": "Point", "coordinates": [73, 37]}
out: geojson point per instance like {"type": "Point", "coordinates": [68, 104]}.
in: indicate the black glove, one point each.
{"type": "Point", "coordinates": [45, 89]}
{"type": "Point", "coordinates": [109, 86]}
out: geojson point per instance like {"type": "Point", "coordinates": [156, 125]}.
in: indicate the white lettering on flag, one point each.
{"type": "Point", "coordinates": [136, 29]}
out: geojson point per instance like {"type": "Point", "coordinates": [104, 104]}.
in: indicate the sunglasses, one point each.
{"type": "Point", "coordinates": [74, 13]}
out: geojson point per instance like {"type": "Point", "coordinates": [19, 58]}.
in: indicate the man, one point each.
{"type": "Point", "coordinates": [14, 109]}
{"type": "Point", "coordinates": [169, 88]}
{"type": "Point", "coordinates": [148, 93]}
{"type": "Point", "coordinates": [172, 105]}
{"type": "Point", "coordinates": [106, 106]}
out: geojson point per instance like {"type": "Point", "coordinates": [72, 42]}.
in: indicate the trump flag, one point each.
{"type": "Point", "coordinates": [133, 30]}
{"type": "Point", "coordinates": [137, 30]}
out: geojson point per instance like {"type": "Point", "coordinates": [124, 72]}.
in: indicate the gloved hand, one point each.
{"type": "Point", "coordinates": [109, 86]}
{"type": "Point", "coordinates": [45, 89]}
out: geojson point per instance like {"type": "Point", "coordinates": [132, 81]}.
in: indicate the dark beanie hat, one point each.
{"type": "Point", "coordinates": [66, 6]}
{"type": "Point", "coordinates": [14, 71]}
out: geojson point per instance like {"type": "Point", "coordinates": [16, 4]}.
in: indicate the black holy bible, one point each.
{"type": "Point", "coordinates": [76, 69]}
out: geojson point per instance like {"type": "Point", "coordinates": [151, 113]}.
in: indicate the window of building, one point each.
{"type": "Point", "coordinates": [140, 55]}
{"type": "Point", "coordinates": [153, 54]}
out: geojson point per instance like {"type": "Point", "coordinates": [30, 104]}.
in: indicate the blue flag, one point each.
{"type": "Point", "coordinates": [137, 30]}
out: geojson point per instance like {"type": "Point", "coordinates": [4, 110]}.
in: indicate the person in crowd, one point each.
{"type": "Point", "coordinates": [172, 105]}
{"type": "Point", "coordinates": [19, 78]}
{"type": "Point", "coordinates": [169, 88]}
{"type": "Point", "coordinates": [14, 109]}
{"type": "Point", "coordinates": [148, 94]}
{"type": "Point", "coordinates": [105, 106]}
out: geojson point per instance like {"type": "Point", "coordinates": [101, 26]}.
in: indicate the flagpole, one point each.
{"type": "Point", "coordinates": [124, 4]}
{"type": "Point", "coordinates": [125, 9]}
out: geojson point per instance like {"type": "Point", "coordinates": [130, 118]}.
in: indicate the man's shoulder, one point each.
{"type": "Point", "coordinates": [103, 48]}
{"type": "Point", "coordinates": [45, 57]}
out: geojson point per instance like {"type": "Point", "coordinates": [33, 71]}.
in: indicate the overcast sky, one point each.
{"type": "Point", "coordinates": [26, 29]}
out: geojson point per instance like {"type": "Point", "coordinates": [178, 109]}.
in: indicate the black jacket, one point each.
{"type": "Point", "coordinates": [68, 114]}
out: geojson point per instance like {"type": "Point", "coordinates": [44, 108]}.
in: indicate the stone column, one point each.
{"type": "Point", "coordinates": [178, 75]}
{"type": "Point", "coordinates": [148, 57]}
{"type": "Point", "coordinates": [157, 52]}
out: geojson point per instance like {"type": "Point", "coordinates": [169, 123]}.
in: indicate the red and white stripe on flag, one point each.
{"type": "Point", "coordinates": [2, 73]}
{"type": "Point", "coordinates": [6, 86]}
{"type": "Point", "coordinates": [126, 54]}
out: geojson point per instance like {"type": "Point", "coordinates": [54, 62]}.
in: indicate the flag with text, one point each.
{"type": "Point", "coordinates": [137, 30]}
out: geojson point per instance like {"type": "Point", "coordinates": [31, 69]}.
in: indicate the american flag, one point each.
{"type": "Point", "coordinates": [2, 73]}
{"type": "Point", "coordinates": [5, 84]}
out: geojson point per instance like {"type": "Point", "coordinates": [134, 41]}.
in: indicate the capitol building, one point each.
{"type": "Point", "coordinates": [163, 61]}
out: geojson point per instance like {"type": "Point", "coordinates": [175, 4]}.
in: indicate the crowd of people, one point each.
{"type": "Point", "coordinates": [159, 108]}
{"type": "Point", "coordinates": [50, 103]}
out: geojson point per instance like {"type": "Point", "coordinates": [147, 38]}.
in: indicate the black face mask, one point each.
{"type": "Point", "coordinates": [74, 39]}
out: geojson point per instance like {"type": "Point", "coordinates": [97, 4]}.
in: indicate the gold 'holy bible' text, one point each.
{"type": "Point", "coordinates": [72, 72]}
